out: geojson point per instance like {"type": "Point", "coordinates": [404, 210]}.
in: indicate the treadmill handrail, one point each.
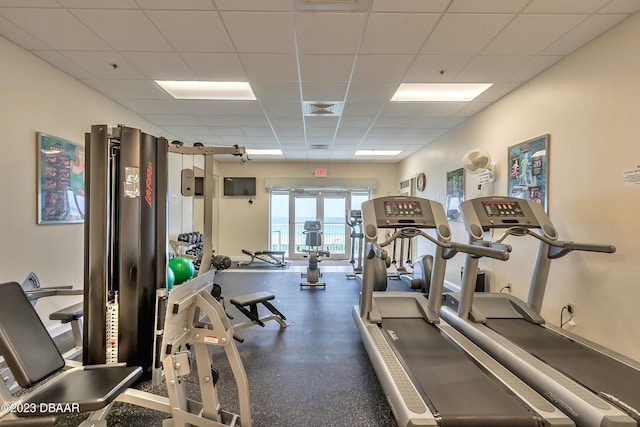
{"type": "Point", "coordinates": [557, 248]}
{"type": "Point", "coordinates": [500, 252]}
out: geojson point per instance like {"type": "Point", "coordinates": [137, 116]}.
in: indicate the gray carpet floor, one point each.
{"type": "Point", "coordinates": [315, 372]}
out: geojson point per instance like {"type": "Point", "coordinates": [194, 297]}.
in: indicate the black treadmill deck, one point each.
{"type": "Point", "coordinates": [593, 370]}
{"type": "Point", "coordinates": [458, 389]}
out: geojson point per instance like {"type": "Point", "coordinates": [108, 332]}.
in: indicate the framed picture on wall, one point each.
{"type": "Point", "coordinates": [529, 170]}
{"type": "Point", "coordinates": [60, 180]}
{"type": "Point", "coordinates": [455, 193]}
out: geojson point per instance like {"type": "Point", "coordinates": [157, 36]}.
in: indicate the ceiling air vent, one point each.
{"type": "Point", "coordinates": [323, 108]}
{"type": "Point", "coordinates": [319, 146]}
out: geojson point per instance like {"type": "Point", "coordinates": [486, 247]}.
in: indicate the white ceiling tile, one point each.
{"type": "Point", "coordinates": [371, 92]}
{"type": "Point", "coordinates": [621, 6]}
{"type": "Point", "coordinates": [411, 30]}
{"type": "Point", "coordinates": [472, 108]}
{"type": "Point", "coordinates": [402, 109]}
{"type": "Point", "coordinates": [266, 141]}
{"type": "Point", "coordinates": [271, 91]}
{"type": "Point", "coordinates": [161, 106]}
{"type": "Point", "coordinates": [216, 66]}
{"type": "Point", "coordinates": [326, 68]}
{"type": "Point", "coordinates": [124, 30]}
{"type": "Point", "coordinates": [251, 108]}
{"type": "Point", "coordinates": [479, 30]}
{"type": "Point", "coordinates": [225, 131]}
{"type": "Point", "coordinates": [487, 6]}
{"type": "Point", "coordinates": [585, 31]}
{"type": "Point", "coordinates": [329, 33]}
{"type": "Point", "coordinates": [535, 66]}
{"type": "Point", "coordinates": [496, 92]}
{"type": "Point", "coordinates": [351, 132]}
{"type": "Point", "coordinates": [270, 67]}
{"type": "Point", "coordinates": [101, 64]}
{"type": "Point", "coordinates": [63, 63]}
{"type": "Point", "coordinates": [173, 4]}
{"type": "Point", "coordinates": [564, 6]}
{"type": "Point", "coordinates": [321, 122]}
{"type": "Point", "coordinates": [22, 38]}
{"type": "Point", "coordinates": [255, 132]}
{"type": "Point", "coordinates": [442, 109]}
{"type": "Point", "coordinates": [356, 122]}
{"type": "Point", "coordinates": [425, 122]}
{"type": "Point", "coordinates": [192, 31]}
{"type": "Point", "coordinates": [490, 68]}
{"type": "Point", "coordinates": [108, 90]}
{"type": "Point", "coordinates": [286, 121]}
{"type": "Point", "coordinates": [251, 121]}
{"type": "Point", "coordinates": [235, 140]}
{"type": "Point", "coordinates": [202, 106]}
{"type": "Point", "coordinates": [29, 3]}
{"type": "Point", "coordinates": [325, 132]}
{"type": "Point", "coordinates": [99, 4]}
{"type": "Point", "coordinates": [173, 119]}
{"type": "Point", "coordinates": [362, 109]}
{"type": "Point", "coordinates": [317, 91]}
{"type": "Point", "coordinates": [390, 122]}
{"type": "Point", "coordinates": [381, 68]}
{"type": "Point", "coordinates": [160, 65]}
{"type": "Point", "coordinates": [37, 22]}
{"type": "Point", "coordinates": [256, 5]}
{"type": "Point", "coordinates": [139, 89]}
{"type": "Point", "coordinates": [409, 5]}
{"type": "Point", "coordinates": [530, 34]}
{"type": "Point", "coordinates": [216, 120]}
{"type": "Point", "coordinates": [282, 108]}
{"type": "Point", "coordinates": [289, 133]}
{"type": "Point", "coordinates": [436, 68]}
{"type": "Point", "coordinates": [266, 32]}
{"type": "Point", "coordinates": [188, 130]}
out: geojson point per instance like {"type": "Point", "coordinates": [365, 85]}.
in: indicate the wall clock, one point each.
{"type": "Point", "coordinates": [421, 181]}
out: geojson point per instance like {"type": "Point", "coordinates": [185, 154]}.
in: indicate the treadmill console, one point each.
{"type": "Point", "coordinates": [502, 212]}
{"type": "Point", "coordinates": [400, 211]}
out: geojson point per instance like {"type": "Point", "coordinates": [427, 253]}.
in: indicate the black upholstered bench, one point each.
{"type": "Point", "coordinates": [248, 305]}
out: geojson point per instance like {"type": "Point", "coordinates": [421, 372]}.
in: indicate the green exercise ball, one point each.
{"type": "Point", "coordinates": [183, 269]}
{"type": "Point", "coordinates": [171, 278]}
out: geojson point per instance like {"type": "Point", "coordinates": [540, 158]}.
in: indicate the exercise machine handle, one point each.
{"type": "Point", "coordinates": [560, 249]}
{"type": "Point", "coordinates": [488, 249]}
{"type": "Point", "coordinates": [501, 254]}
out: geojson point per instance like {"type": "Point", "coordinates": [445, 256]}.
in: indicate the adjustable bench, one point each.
{"type": "Point", "coordinates": [32, 356]}
{"type": "Point", "coordinates": [248, 305]}
{"type": "Point", "coordinates": [271, 257]}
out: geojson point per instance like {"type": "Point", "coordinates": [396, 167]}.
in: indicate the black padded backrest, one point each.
{"type": "Point", "coordinates": [25, 343]}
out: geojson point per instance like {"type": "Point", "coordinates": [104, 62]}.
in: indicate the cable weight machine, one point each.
{"type": "Point", "coordinates": [126, 242]}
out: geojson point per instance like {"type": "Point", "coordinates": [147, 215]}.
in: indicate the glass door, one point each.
{"type": "Point", "coordinates": [305, 208]}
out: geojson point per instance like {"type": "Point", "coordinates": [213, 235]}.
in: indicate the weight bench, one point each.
{"type": "Point", "coordinates": [271, 257]}
{"type": "Point", "coordinates": [248, 305]}
{"type": "Point", "coordinates": [32, 356]}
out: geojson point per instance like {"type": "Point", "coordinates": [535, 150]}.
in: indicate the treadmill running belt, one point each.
{"type": "Point", "coordinates": [461, 392]}
{"type": "Point", "coordinates": [595, 371]}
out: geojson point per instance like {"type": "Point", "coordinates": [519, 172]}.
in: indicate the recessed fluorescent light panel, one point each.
{"type": "Point", "coordinates": [230, 91]}
{"type": "Point", "coordinates": [378, 152]}
{"type": "Point", "coordinates": [265, 152]}
{"type": "Point", "coordinates": [439, 92]}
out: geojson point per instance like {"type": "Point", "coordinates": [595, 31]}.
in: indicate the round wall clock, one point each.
{"type": "Point", "coordinates": [421, 181]}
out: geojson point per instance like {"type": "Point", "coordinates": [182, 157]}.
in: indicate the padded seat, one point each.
{"type": "Point", "coordinates": [68, 314]}
{"type": "Point", "coordinates": [32, 356]}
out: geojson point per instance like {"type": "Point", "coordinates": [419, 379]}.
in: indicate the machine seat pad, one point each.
{"type": "Point", "coordinates": [90, 387]}
{"type": "Point", "coordinates": [251, 299]}
{"type": "Point", "coordinates": [69, 314]}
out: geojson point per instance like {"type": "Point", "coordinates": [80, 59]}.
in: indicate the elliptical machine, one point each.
{"type": "Point", "coordinates": [313, 242]}
{"type": "Point", "coordinates": [357, 238]}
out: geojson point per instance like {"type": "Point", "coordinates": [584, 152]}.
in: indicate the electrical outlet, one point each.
{"type": "Point", "coordinates": [571, 309]}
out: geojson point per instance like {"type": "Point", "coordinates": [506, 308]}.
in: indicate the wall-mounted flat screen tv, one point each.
{"type": "Point", "coordinates": [239, 186]}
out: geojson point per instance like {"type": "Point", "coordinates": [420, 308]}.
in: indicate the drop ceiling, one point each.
{"type": "Point", "coordinates": [294, 52]}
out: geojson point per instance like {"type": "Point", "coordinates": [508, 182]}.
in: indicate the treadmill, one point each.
{"type": "Point", "coordinates": [431, 374]}
{"type": "Point", "coordinates": [593, 385]}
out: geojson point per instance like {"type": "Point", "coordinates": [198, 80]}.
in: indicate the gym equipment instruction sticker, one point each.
{"type": "Point", "coordinates": [631, 176]}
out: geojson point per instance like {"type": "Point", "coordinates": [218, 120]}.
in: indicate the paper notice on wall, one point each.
{"type": "Point", "coordinates": [631, 176]}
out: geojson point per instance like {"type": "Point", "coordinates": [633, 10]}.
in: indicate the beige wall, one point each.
{"type": "Point", "coordinates": [38, 98]}
{"type": "Point", "coordinates": [589, 104]}
{"type": "Point", "coordinates": [246, 226]}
